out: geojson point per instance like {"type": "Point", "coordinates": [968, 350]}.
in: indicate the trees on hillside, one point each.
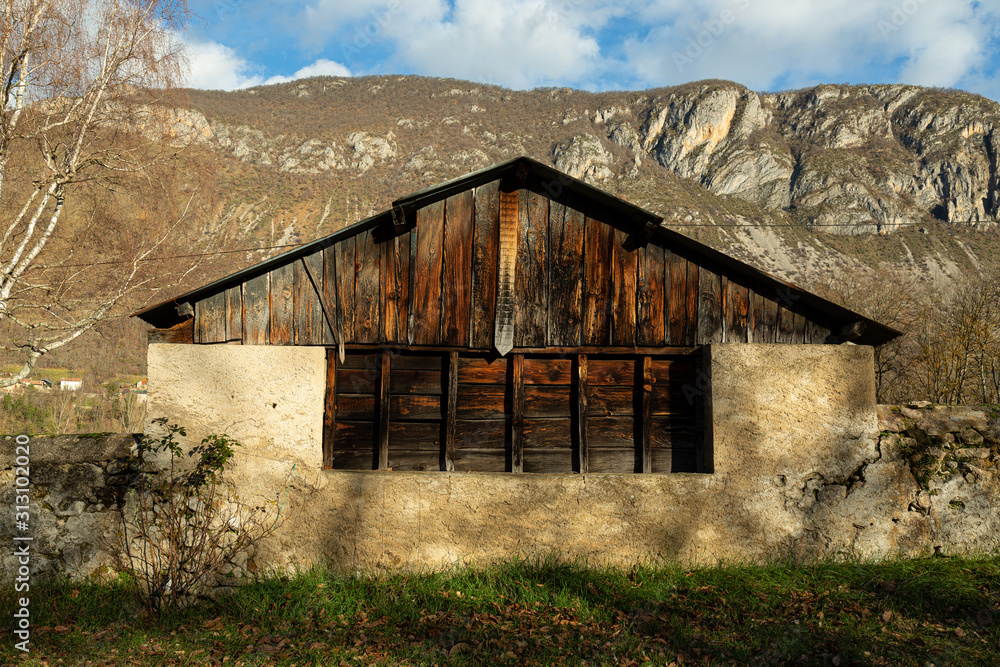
{"type": "Point", "coordinates": [71, 240]}
{"type": "Point", "coordinates": [950, 350]}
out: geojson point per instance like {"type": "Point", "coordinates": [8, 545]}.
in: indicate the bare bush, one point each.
{"type": "Point", "coordinates": [184, 525]}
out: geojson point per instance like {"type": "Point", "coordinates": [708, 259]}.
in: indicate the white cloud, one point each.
{"type": "Point", "coordinates": [215, 66]}
{"type": "Point", "coordinates": [763, 43]}
{"type": "Point", "coordinates": [321, 67]}
{"type": "Point", "coordinates": [518, 43]}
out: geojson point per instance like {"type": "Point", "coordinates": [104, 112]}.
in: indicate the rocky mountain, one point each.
{"type": "Point", "coordinates": [883, 197]}
{"type": "Point", "coordinates": [806, 184]}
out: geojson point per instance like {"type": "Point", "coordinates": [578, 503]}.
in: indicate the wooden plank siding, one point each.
{"type": "Point", "coordinates": [531, 284]}
{"type": "Point", "coordinates": [526, 413]}
{"type": "Point", "coordinates": [427, 265]}
{"type": "Point", "coordinates": [624, 280]}
{"type": "Point", "coordinates": [457, 270]}
{"type": "Point", "coordinates": [565, 279]}
{"type": "Point", "coordinates": [485, 248]}
{"type": "Point", "coordinates": [597, 301]}
{"type": "Point", "coordinates": [547, 273]}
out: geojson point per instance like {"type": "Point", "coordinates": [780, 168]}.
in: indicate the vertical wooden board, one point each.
{"type": "Point", "coordinates": [786, 325]}
{"type": "Point", "coordinates": [347, 268]}
{"type": "Point", "coordinates": [451, 412]}
{"type": "Point", "coordinates": [456, 290]}
{"type": "Point", "coordinates": [737, 312]}
{"type": "Point", "coordinates": [234, 313]}
{"type": "Point", "coordinates": [756, 325]}
{"type": "Point", "coordinates": [216, 318]}
{"type": "Point", "coordinates": [282, 305]}
{"type": "Point", "coordinates": [691, 304]}
{"type": "Point", "coordinates": [531, 300]}
{"type": "Point", "coordinates": [816, 333]}
{"type": "Point", "coordinates": [484, 266]}
{"type": "Point", "coordinates": [200, 322]}
{"type": "Point", "coordinates": [516, 437]}
{"type": "Point", "coordinates": [650, 296]}
{"type": "Point", "coordinates": [565, 285]}
{"type": "Point", "coordinates": [503, 332]}
{"type": "Point", "coordinates": [330, 408]}
{"type": "Point", "coordinates": [404, 282]}
{"type": "Point", "coordinates": [367, 322]}
{"type": "Point", "coordinates": [579, 436]}
{"type": "Point", "coordinates": [332, 330]}
{"type": "Point", "coordinates": [598, 239]}
{"type": "Point", "coordinates": [389, 281]}
{"type": "Point", "coordinates": [709, 307]}
{"type": "Point", "coordinates": [624, 280]}
{"type": "Point", "coordinates": [427, 275]}
{"type": "Point", "coordinates": [676, 270]}
{"type": "Point", "coordinates": [645, 426]}
{"type": "Point", "coordinates": [256, 310]}
{"type": "Point", "coordinates": [310, 323]}
{"type": "Point", "coordinates": [383, 410]}
{"type": "Point", "coordinates": [769, 334]}
{"type": "Point", "coordinates": [799, 329]}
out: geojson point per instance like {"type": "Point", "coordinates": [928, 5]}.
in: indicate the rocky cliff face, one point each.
{"type": "Point", "coordinates": [793, 182]}
{"type": "Point", "coordinates": [844, 158]}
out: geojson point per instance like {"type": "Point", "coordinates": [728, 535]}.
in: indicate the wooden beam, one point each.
{"type": "Point", "coordinates": [646, 403]}
{"type": "Point", "coordinates": [399, 225]}
{"type": "Point", "coordinates": [179, 333]}
{"type": "Point", "coordinates": [328, 311]}
{"type": "Point", "coordinates": [580, 421]}
{"type": "Point", "coordinates": [330, 407]}
{"type": "Point", "coordinates": [504, 331]}
{"type": "Point", "coordinates": [383, 411]}
{"type": "Point", "coordinates": [517, 413]}
{"type": "Point", "coordinates": [451, 413]}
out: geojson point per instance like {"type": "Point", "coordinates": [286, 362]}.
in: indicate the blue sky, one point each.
{"type": "Point", "coordinates": [601, 45]}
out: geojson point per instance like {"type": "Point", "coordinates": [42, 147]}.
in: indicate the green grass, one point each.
{"type": "Point", "coordinates": [942, 611]}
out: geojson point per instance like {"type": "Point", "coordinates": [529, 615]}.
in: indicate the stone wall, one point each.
{"type": "Point", "coordinates": [804, 465]}
{"type": "Point", "coordinates": [76, 483]}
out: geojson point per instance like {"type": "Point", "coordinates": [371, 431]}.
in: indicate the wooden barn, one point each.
{"type": "Point", "coordinates": [511, 320]}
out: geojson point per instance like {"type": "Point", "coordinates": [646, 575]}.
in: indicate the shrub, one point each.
{"type": "Point", "coordinates": [183, 524]}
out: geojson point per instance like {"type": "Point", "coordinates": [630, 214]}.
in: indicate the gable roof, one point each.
{"type": "Point", "coordinates": [402, 214]}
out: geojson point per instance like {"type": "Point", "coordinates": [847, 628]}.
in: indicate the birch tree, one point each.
{"type": "Point", "coordinates": [73, 73]}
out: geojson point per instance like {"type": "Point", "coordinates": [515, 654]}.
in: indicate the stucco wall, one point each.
{"type": "Point", "coordinates": [268, 397]}
{"type": "Point", "coordinates": [780, 415]}
{"type": "Point", "coordinates": [804, 464]}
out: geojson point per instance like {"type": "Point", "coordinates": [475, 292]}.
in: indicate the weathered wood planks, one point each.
{"type": "Point", "coordinates": [499, 268]}
{"type": "Point", "coordinates": [522, 413]}
{"type": "Point", "coordinates": [456, 290]}
{"type": "Point", "coordinates": [624, 282]}
{"type": "Point", "coordinates": [503, 338]}
{"type": "Point", "coordinates": [516, 413]}
{"type": "Point", "coordinates": [427, 267]}
{"type": "Point", "coordinates": [485, 249]}
{"type": "Point", "coordinates": [367, 323]}
{"type": "Point", "coordinates": [651, 296]}
{"type": "Point", "coordinates": [597, 297]}
{"type": "Point", "coordinates": [307, 311]}
{"type": "Point", "coordinates": [531, 281]}
{"type": "Point", "coordinates": [565, 279]}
